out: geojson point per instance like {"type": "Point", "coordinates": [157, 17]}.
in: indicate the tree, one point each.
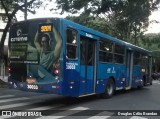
{"type": "Point", "coordinates": [129, 17]}
{"type": "Point", "coordinates": [11, 7]}
{"type": "Point", "coordinates": [95, 23]}
{"type": "Point", "coordinates": [152, 42]}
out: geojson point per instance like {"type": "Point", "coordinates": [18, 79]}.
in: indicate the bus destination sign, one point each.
{"type": "Point", "coordinates": [44, 28]}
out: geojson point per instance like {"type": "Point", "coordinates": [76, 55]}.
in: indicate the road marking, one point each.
{"type": "Point", "coordinates": [99, 117]}
{"type": "Point", "coordinates": [13, 99]}
{"type": "Point", "coordinates": [157, 81]}
{"type": "Point", "coordinates": [17, 104]}
{"type": "Point", "coordinates": [6, 96]}
{"type": "Point", "coordinates": [66, 113]}
{"type": "Point", "coordinates": [45, 107]}
{"type": "Point", "coordinates": [102, 115]}
{"type": "Point", "coordinates": [3, 117]}
{"type": "Point", "coordinates": [137, 117]}
{"type": "Point", "coordinates": [80, 108]}
{"type": "Point", "coordinates": [51, 117]}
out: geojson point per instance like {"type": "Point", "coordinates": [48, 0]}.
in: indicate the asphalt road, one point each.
{"type": "Point", "coordinates": [132, 104]}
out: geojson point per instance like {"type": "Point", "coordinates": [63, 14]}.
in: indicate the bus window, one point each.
{"type": "Point", "coordinates": [137, 58]}
{"type": "Point", "coordinates": [119, 54]}
{"type": "Point", "coordinates": [71, 52]}
{"type": "Point", "coordinates": [105, 51]}
{"type": "Point", "coordinates": [144, 60]}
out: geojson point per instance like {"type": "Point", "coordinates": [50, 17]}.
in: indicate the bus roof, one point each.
{"type": "Point", "coordinates": [93, 32]}
{"type": "Point", "coordinates": [102, 35]}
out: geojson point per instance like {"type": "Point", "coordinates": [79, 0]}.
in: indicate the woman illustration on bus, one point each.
{"type": "Point", "coordinates": [48, 54]}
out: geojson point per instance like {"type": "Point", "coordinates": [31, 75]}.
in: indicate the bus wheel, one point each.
{"type": "Point", "coordinates": [109, 91]}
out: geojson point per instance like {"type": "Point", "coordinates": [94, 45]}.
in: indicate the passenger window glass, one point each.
{"type": "Point", "coordinates": [137, 58]}
{"type": "Point", "coordinates": [118, 58]}
{"type": "Point", "coordinates": [71, 43]}
{"type": "Point", "coordinates": [119, 54]}
{"type": "Point", "coordinates": [105, 51]}
{"type": "Point", "coordinates": [106, 46]}
{"type": "Point", "coordinates": [71, 36]}
{"type": "Point", "coordinates": [119, 49]}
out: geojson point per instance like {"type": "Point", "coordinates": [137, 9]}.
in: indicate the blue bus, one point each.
{"type": "Point", "coordinates": [55, 55]}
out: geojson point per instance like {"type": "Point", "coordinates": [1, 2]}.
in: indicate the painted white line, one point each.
{"type": "Point", "coordinates": [6, 96]}
{"type": "Point", "coordinates": [137, 117]}
{"type": "Point", "coordinates": [4, 117]}
{"type": "Point", "coordinates": [102, 115]}
{"type": "Point", "coordinates": [80, 108]}
{"type": "Point", "coordinates": [17, 105]}
{"type": "Point", "coordinates": [13, 99]}
{"type": "Point", "coordinates": [156, 82]}
{"type": "Point", "coordinates": [99, 117]}
{"type": "Point", "coordinates": [45, 107]}
{"type": "Point", "coordinates": [66, 113]}
{"type": "Point", "coordinates": [51, 117]}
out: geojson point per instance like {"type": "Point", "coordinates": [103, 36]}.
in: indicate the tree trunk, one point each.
{"type": "Point", "coordinates": [3, 38]}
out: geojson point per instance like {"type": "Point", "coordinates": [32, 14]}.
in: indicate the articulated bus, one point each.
{"type": "Point", "coordinates": [54, 55]}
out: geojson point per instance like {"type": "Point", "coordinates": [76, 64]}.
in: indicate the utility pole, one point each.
{"type": "Point", "coordinates": [25, 11]}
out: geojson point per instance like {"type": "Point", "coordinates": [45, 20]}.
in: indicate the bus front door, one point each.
{"type": "Point", "coordinates": [88, 65]}
{"type": "Point", "coordinates": [129, 66]}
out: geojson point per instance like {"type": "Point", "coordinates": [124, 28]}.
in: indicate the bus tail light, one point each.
{"type": "Point", "coordinates": [56, 71]}
{"type": "Point", "coordinates": [9, 69]}
{"type": "Point", "coordinates": [56, 87]}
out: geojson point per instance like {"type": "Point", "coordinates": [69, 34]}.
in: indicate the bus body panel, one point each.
{"type": "Point", "coordinates": [106, 71]}
{"type": "Point", "coordinates": [137, 76]}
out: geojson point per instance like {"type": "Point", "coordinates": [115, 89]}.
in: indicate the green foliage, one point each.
{"type": "Point", "coordinates": [95, 23]}
{"type": "Point", "coordinates": [151, 41]}
{"type": "Point", "coordinates": [11, 7]}
{"type": "Point", "coordinates": [127, 19]}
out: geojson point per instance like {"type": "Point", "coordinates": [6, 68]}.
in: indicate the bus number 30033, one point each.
{"type": "Point", "coordinates": [32, 87]}
{"type": "Point", "coordinates": [70, 66]}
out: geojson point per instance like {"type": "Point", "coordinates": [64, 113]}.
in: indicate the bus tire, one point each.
{"type": "Point", "coordinates": [110, 88]}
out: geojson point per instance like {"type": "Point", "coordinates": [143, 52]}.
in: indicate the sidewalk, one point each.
{"type": "Point", "coordinates": [3, 82]}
